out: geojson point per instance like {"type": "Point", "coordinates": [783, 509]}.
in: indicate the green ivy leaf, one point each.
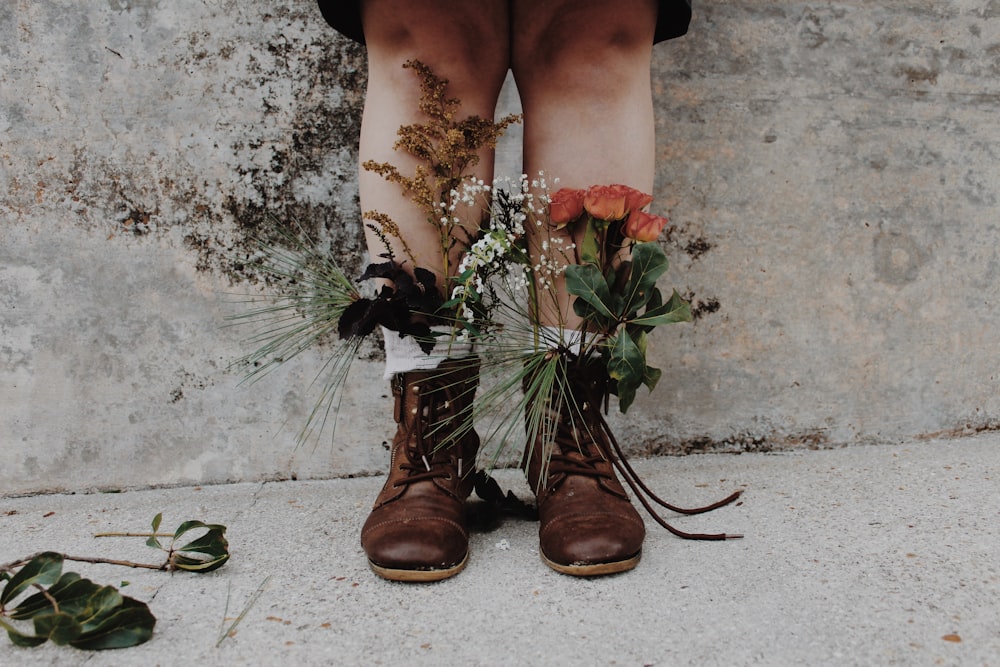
{"type": "Point", "coordinates": [42, 570]}
{"type": "Point", "coordinates": [586, 282]}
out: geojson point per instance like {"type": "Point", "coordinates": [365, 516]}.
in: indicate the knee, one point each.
{"type": "Point", "coordinates": [605, 55]}
{"type": "Point", "coordinates": [470, 53]}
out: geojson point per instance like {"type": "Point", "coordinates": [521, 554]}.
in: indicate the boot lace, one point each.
{"type": "Point", "coordinates": [437, 428]}
{"type": "Point", "coordinates": [584, 440]}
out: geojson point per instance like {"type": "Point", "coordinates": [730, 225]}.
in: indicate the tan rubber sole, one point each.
{"type": "Point", "coordinates": [417, 576]}
{"type": "Point", "coordinates": [595, 569]}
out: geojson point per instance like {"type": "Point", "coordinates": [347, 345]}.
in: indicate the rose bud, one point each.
{"type": "Point", "coordinates": [643, 226]}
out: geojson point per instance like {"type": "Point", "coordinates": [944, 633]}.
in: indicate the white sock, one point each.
{"type": "Point", "coordinates": [403, 354]}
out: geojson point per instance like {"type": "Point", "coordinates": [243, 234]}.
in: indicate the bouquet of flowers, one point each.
{"type": "Point", "coordinates": [598, 245]}
{"type": "Point", "coordinates": [549, 281]}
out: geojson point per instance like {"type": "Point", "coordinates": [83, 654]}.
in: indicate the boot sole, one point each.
{"type": "Point", "coordinates": [594, 569]}
{"type": "Point", "coordinates": [417, 576]}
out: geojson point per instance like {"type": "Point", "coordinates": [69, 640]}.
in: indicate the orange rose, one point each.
{"type": "Point", "coordinates": [565, 206]}
{"type": "Point", "coordinates": [606, 202]}
{"type": "Point", "coordinates": [643, 226]}
{"type": "Point", "coordinates": [635, 200]}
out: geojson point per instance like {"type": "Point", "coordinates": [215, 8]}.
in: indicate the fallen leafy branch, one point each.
{"type": "Point", "coordinates": [70, 610]}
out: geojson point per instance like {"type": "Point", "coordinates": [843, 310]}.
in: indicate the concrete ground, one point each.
{"type": "Point", "coordinates": [859, 556]}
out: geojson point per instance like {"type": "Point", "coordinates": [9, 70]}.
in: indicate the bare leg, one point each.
{"type": "Point", "coordinates": [416, 530]}
{"type": "Point", "coordinates": [464, 42]}
{"type": "Point", "coordinates": [582, 68]}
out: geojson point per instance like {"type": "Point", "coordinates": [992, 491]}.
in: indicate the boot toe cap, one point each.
{"type": "Point", "coordinates": [430, 543]}
{"type": "Point", "coordinates": [583, 540]}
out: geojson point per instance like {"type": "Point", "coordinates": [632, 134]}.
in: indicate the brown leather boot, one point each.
{"type": "Point", "coordinates": [588, 526]}
{"type": "Point", "coordinates": [417, 528]}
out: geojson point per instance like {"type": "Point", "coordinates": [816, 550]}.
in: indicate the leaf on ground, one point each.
{"type": "Point", "coordinates": [129, 624]}
{"type": "Point", "coordinates": [42, 570]}
{"type": "Point", "coordinates": [204, 554]}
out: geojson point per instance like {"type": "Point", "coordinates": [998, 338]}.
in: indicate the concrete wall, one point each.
{"type": "Point", "coordinates": [831, 170]}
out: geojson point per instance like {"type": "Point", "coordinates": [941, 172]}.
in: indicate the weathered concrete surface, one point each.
{"type": "Point", "coordinates": [831, 172]}
{"type": "Point", "coordinates": [881, 555]}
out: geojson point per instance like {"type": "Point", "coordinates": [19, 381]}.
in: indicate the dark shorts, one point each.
{"type": "Point", "coordinates": [345, 16]}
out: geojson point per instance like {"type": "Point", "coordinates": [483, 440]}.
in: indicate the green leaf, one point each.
{"type": "Point", "coordinates": [586, 282]}
{"type": "Point", "coordinates": [70, 592]}
{"type": "Point", "coordinates": [591, 314]}
{"type": "Point", "coordinates": [626, 365]}
{"type": "Point", "coordinates": [20, 639]}
{"type": "Point", "coordinates": [648, 264]}
{"type": "Point", "coordinates": [626, 395]}
{"type": "Point", "coordinates": [204, 554]}
{"type": "Point", "coordinates": [625, 359]}
{"type": "Point", "coordinates": [674, 310]}
{"type": "Point", "coordinates": [104, 601]}
{"type": "Point", "coordinates": [589, 244]}
{"type": "Point", "coordinates": [651, 376]}
{"type": "Point", "coordinates": [152, 541]}
{"type": "Point", "coordinates": [129, 624]}
{"type": "Point", "coordinates": [43, 570]}
{"type": "Point", "coordinates": [61, 628]}
{"type": "Point", "coordinates": [655, 301]}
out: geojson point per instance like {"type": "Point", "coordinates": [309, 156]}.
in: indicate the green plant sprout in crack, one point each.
{"type": "Point", "coordinates": [70, 610]}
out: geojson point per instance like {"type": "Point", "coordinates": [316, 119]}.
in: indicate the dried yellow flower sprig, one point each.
{"type": "Point", "coordinates": [446, 149]}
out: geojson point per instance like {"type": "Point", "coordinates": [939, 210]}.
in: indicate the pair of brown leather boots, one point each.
{"type": "Point", "coordinates": [417, 530]}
